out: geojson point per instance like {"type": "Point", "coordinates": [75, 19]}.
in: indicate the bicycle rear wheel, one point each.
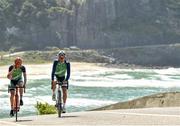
{"type": "Point", "coordinates": [16, 116]}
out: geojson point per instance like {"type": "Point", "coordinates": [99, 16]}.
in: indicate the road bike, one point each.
{"type": "Point", "coordinates": [59, 96]}
{"type": "Point", "coordinates": [17, 101]}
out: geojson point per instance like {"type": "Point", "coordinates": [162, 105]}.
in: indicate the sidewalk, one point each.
{"type": "Point", "coordinates": [149, 116]}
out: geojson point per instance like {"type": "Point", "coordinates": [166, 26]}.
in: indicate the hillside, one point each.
{"type": "Point", "coordinates": [34, 25]}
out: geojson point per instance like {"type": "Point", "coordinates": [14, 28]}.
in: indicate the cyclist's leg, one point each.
{"type": "Point", "coordinates": [12, 93]}
{"type": "Point", "coordinates": [12, 96]}
{"type": "Point", "coordinates": [16, 94]}
{"type": "Point", "coordinates": [65, 91]}
{"type": "Point", "coordinates": [16, 98]}
{"type": "Point", "coordinates": [21, 84]}
{"type": "Point", "coordinates": [53, 91]}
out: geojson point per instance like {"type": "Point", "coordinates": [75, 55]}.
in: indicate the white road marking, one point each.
{"type": "Point", "coordinates": [144, 114]}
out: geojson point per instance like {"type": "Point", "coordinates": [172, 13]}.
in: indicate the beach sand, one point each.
{"type": "Point", "coordinates": [43, 71]}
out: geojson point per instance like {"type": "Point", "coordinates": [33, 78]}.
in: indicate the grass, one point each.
{"type": "Point", "coordinates": [45, 108]}
{"type": "Point", "coordinates": [40, 57]}
{"type": "Point", "coordinates": [29, 57]}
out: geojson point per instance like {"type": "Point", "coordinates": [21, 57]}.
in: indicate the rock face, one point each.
{"type": "Point", "coordinates": [155, 55]}
{"type": "Point", "coordinates": [119, 23]}
{"type": "Point", "coordinates": [89, 23]}
{"type": "Point", "coordinates": [171, 99]}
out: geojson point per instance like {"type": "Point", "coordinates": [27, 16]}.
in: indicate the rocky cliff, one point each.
{"type": "Point", "coordinates": [88, 23]}
{"type": "Point", "coordinates": [120, 23]}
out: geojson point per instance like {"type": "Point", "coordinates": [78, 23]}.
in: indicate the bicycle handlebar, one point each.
{"type": "Point", "coordinates": [62, 83]}
{"type": "Point", "coordinates": [22, 87]}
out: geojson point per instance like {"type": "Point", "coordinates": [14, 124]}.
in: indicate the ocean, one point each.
{"type": "Point", "coordinates": [91, 89]}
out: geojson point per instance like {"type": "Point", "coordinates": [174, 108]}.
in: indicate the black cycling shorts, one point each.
{"type": "Point", "coordinates": [13, 83]}
{"type": "Point", "coordinates": [61, 79]}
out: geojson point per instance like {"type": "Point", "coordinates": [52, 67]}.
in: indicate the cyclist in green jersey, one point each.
{"type": "Point", "coordinates": [15, 76]}
{"type": "Point", "coordinates": [61, 70]}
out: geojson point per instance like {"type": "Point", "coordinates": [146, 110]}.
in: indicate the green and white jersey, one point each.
{"type": "Point", "coordinates": [17, 72]}
{"type": "Point", "coordinates": [61, 69]}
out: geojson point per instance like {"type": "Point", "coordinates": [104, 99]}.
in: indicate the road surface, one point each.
{"type": "Point", "coordinates": [146, 116]}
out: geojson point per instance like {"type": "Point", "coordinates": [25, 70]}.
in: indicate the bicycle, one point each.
{"type": "Point", "coordinates": [59, 95]}
{"type": "Point", "coordinates": [17, 107]}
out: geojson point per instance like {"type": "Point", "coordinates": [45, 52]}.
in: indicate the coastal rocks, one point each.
{"type": "Point", "coordinates": [149, 56]}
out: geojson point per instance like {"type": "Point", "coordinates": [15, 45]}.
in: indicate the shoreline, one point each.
{"type": "Point", "coordinates": [95, 56]}
{"type": "Point", "coordinates": [45, 68]}
{"type": "Point", "coordinates": [133, 66]}
{"type": "Point", "coordinates": [38, 69]}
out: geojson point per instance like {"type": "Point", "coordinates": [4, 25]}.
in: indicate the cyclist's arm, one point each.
{"type": "Point", "coordinates": [68, 71]}
{"type": "Point", "coordinates": [9, 75]}
{"type": "Point", "coordinates": [25, 78]}
{"type": "Point", "coordinates": [53, 70]}
{"type": "Point", "coordinates": [24, 74]}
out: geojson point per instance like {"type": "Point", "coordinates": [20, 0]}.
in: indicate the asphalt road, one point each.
{"type": "Point", "coordinates": [148, 116]}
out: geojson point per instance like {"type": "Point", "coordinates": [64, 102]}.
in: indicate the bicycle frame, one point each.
{"type": "Point", "coordinates": [59, 99]}
{"type": "Point", "coordinates": [16, 110]}
{"type": "Point", "coordinates": [17, 101]}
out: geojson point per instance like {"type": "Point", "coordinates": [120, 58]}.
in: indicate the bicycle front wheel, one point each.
{"type": "Point", "coordinates": [59, 110]}
{"type": "Point", "coordinates": [59, 107]}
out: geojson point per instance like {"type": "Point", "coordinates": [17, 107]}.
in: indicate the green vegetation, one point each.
{"type": "Point", "coordinates": [59, 10]}
{"type": "Point", "coordinates": [22, 20]}
{"type": "Point", "coordinates": [35, 24]}
{"type": "Point", "coordinates": [39, 57]}
{"type": "Point", "coordinates": [29, 57]}
{"type": "Point", "coordinates": [6, 61]}
{"type": "Point", "coordinates": [45, 108]}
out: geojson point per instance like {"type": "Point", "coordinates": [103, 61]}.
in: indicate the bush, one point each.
{"type": "Point", "coordinates": [45, 108]}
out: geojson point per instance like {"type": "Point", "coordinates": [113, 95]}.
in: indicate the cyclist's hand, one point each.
{"type": "Point", "coordinates": [52, 82]}
{"type": "Point", "coordinates": [9, 76]}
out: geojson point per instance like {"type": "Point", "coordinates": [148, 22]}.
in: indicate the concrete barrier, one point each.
{"type": "Point", "coordinates": [170, 99]}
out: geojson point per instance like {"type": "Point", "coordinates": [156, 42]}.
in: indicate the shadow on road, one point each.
{"type": "Point", "coordinates": [69, 116]}
{"type": "Point", "coordinates": [25, 120]}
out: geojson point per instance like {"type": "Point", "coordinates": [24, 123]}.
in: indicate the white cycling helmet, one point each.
{"type": "Point", "coordinates": [61, 53]}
